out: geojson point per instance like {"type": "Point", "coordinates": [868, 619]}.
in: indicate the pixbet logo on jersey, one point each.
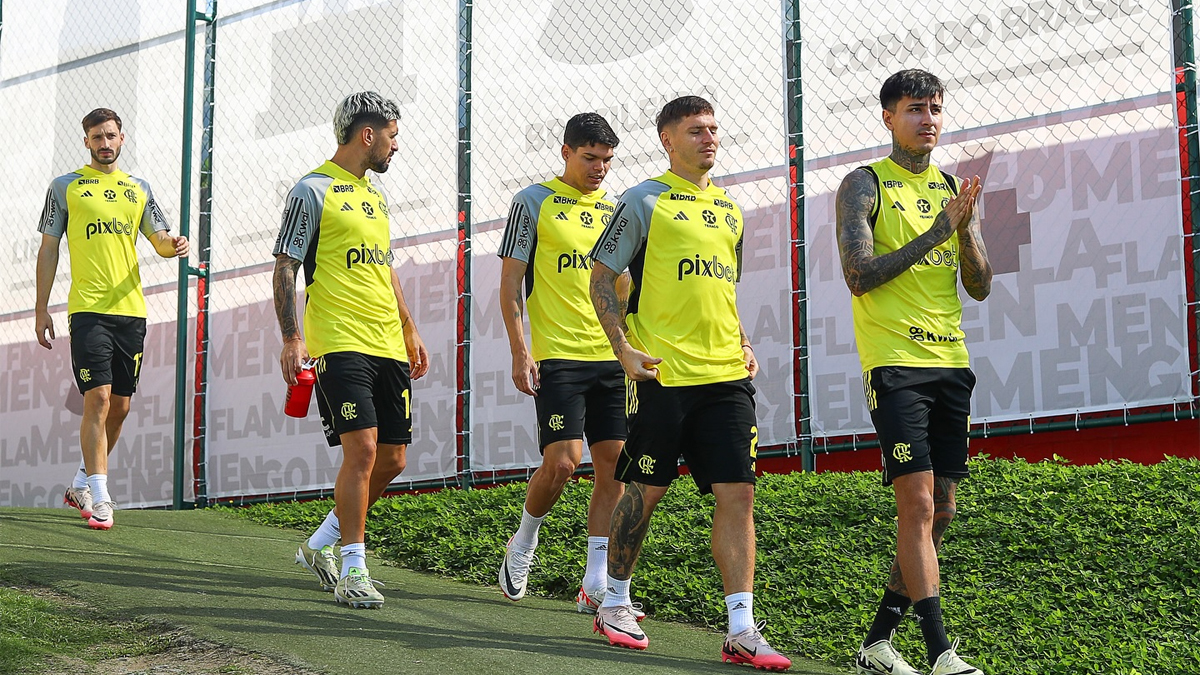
{"type": "Point", "coordinates": [368, 256]}
{"type": "Point", "coordinates": [705, 268]}
{"type": "Point", "coordinates": [113, 226]}
{"type": "Point", "coordinates": [574, 261]}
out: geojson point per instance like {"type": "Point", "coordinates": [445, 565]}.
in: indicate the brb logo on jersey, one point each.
{"type": "Point", "coordinates": [368, 256]}
{"type": "Point", "coordinates": [113, 226]}
{"type": "Point", "coordinates": [714, 269]}
{"type": "Point", "coordinates": [574, 261]}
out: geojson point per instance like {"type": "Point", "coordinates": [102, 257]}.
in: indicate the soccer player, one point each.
{"type": "Point", "coordinates": [907, 232]}
{"type": "Point", "coordinates": [357, 326]}
{"type": "Point", "coordinates": [101, 209]}
{"type": "Point", "coordinates": [577, 384]}
{"type": "Point", "coordinates": [688, 364]}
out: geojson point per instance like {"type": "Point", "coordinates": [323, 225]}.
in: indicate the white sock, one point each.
{"type": "Point", "coordinates": [617, 592]}
{"type": "Point", "coordinates": [526, 538]}
{"type": "Point", "coordinates": [741, 611]}
{"type": "Point", "coordinates": [80, 481]}
{"type": "Point", "coordinates": [98, 482]}
{"type": "Point", "coordinates": [354, 555]}
{"type": "Point", "coordinates": [597, 564]}
{"type": "Point", "coordinates": [327, 534]}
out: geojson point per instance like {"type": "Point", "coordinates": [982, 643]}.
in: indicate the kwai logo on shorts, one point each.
{"type": "Point", "coordinates": [646, 464]}
{"type": "Point", "coordinates": [348, 411]}
{"type": "Point", "coordinates": [902, 452]}
{"type": "Point", "coordinates": [556, 422]}
{"type": "Point", "coordinates": [85, 374]}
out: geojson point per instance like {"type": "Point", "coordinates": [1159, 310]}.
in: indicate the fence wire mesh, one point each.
{"type": "Point", "coordinates": [1069, 111]}
{"type": "Point", "coordinates": [532, 72]}
{"type": "Point", "coordinates": [56, 64]}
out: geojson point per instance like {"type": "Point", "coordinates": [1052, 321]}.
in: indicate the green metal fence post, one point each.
{"type": "Point", "coordinates": [185, 270]}
{"type": "Point", "coordinates": [463, 421]}
{"type": "Point", "coordinates": [795, 136]}
{"type": "Point", "coordinates": [204, 253]}
{"type": "Point", "coordinates": [1187, 21]}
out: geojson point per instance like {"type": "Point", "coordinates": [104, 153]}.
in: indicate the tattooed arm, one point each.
{"type": "Point", "coordinates": [864, 271]}
{"type": "Point", "coordinates": [524, 370]}
{"type": "Point", "coordinates": [974, 267]}
{"type": "Point", "coordinates": [284, 284]}
{"type": "Point", "coordinates": [638, 365]}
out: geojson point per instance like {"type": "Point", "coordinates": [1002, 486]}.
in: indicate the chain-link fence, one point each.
{"type": "Point", "coordinates": [58, 62]}
{"type": "Point", "coordinates": [1067, 110]}
{"type": "Point", "coordinates": [1068, 113]}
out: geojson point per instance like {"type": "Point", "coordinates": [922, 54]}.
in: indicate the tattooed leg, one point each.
{"type": "Point", "coordinates": [630, 520]}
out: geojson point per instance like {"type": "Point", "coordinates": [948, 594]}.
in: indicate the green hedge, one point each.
{"type": "Point", "coordinates": [1048, 569]}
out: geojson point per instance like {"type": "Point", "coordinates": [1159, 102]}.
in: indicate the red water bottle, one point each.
{"type": "Point", "coordinates": [299, 394]}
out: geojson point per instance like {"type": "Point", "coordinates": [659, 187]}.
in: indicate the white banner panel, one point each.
{"type": "Point", "coordinates": [538, 64]}
{"type": "Point", "coordinates": [1068, 111]}
{"type": "Point", "coordinates": [1087, 310]}
{"type": "Point", "coordinates": [294, 63]}
{"type": "Point", "coordinates": [40, 412]}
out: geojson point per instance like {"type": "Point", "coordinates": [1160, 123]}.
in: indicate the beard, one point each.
{"type": "Point", "coordinates": [105, 161]}
{"type": "Point", "coordinates": [381, 164]}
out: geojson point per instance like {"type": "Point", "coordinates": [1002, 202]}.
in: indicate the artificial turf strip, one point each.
{"type": "Point", "coordinates": [1048, 569]}
{"type": "Point", "coordinates": [234, 582]}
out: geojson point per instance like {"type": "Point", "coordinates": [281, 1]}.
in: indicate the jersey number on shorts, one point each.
{"type": "Point", "coordinates": [407, 394]}
{"type": "Point", "coordinates": [753, 447]}
{"type": "Point", "coordinates": [137, 365]}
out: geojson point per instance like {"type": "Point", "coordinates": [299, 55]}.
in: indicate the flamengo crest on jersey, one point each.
{"type": "Point", "coordinates": [552, 227]}
{"type": "Point", "coordinates": [913, 320]}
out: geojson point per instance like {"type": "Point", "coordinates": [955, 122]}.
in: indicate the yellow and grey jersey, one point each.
{"type": "Point", "coordinates": [552, 227]}
{"type": "Point", "coordinates": [338, 226]}
{"type": "Point", "coordinates": [914, 319]}
{"type": "Point", "coordinates": [683, 248]}
{"type": "Point", "coordinates": [101, 214]}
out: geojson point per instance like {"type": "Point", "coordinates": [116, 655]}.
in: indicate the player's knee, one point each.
{"type": "Point", "coordinates": [914, 508]}
{"type": "Point", "coordinates": [561, 470]}
{"type": "Point", "coordinates": [98, 400]}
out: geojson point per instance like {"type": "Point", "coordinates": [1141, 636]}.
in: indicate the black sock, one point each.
{"type": "Point", "coordinates": [887, 617]}
{"type": "Point", "coordinates": [929, 614]}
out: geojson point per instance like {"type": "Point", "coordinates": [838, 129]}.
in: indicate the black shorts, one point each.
{"type": "Point", "coordinates": [580, 397]}
{"type": "Point", "coordinates": [712, 426]}
{"type": "Point", "coordinates": [922, 416]}
{"type": "Point", "coordinates": [359, 391]}
{"type": "Point", "coordinates": [106, 349]}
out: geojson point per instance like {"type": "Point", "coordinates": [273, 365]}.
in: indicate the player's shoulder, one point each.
{"type": "Point", "coordinates": [534, 194]}
{"type": "Point", "coordinates": [312, 184]}
{"type": "Point", "coordinates": [61, 182]}
{"type": "Point", "coordinates": [650, 188]}
{"type": "Point", "coordinates": [138, 181]}
{"type": "Point", "coordinates": [861, 178]}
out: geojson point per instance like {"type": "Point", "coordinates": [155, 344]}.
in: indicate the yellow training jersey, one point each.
{"type": "Point", "coordinates": [552, 227]}
{"type": "Point", "coordinates": [914, 319]}
{"type": "Point", "coordinates": [101, 214]}
{"type": "Point", "coordinates": [683, 248]}
{"type": "Point", "coordinates": [338, 225]}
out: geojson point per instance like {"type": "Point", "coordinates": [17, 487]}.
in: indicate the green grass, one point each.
{"type": "Point", "coordinates": [1049, 568]}
{"type": "Point", "coordinates": [36, 634]}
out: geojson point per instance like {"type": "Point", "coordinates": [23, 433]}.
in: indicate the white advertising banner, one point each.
{"type": "Point", "coordinates": [1069, 118]}
{"type": "Point", "coordinates": [533, 69]}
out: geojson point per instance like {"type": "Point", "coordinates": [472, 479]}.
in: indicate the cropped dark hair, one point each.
{"type": "Point", "coordinates": [589, 128]}
{"type": "Point", "coordinates": [682, 107]}
{"type": "Point", "coordinates": [913, 83]}
{"type": "Point", "coordinates": [100, 116]}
